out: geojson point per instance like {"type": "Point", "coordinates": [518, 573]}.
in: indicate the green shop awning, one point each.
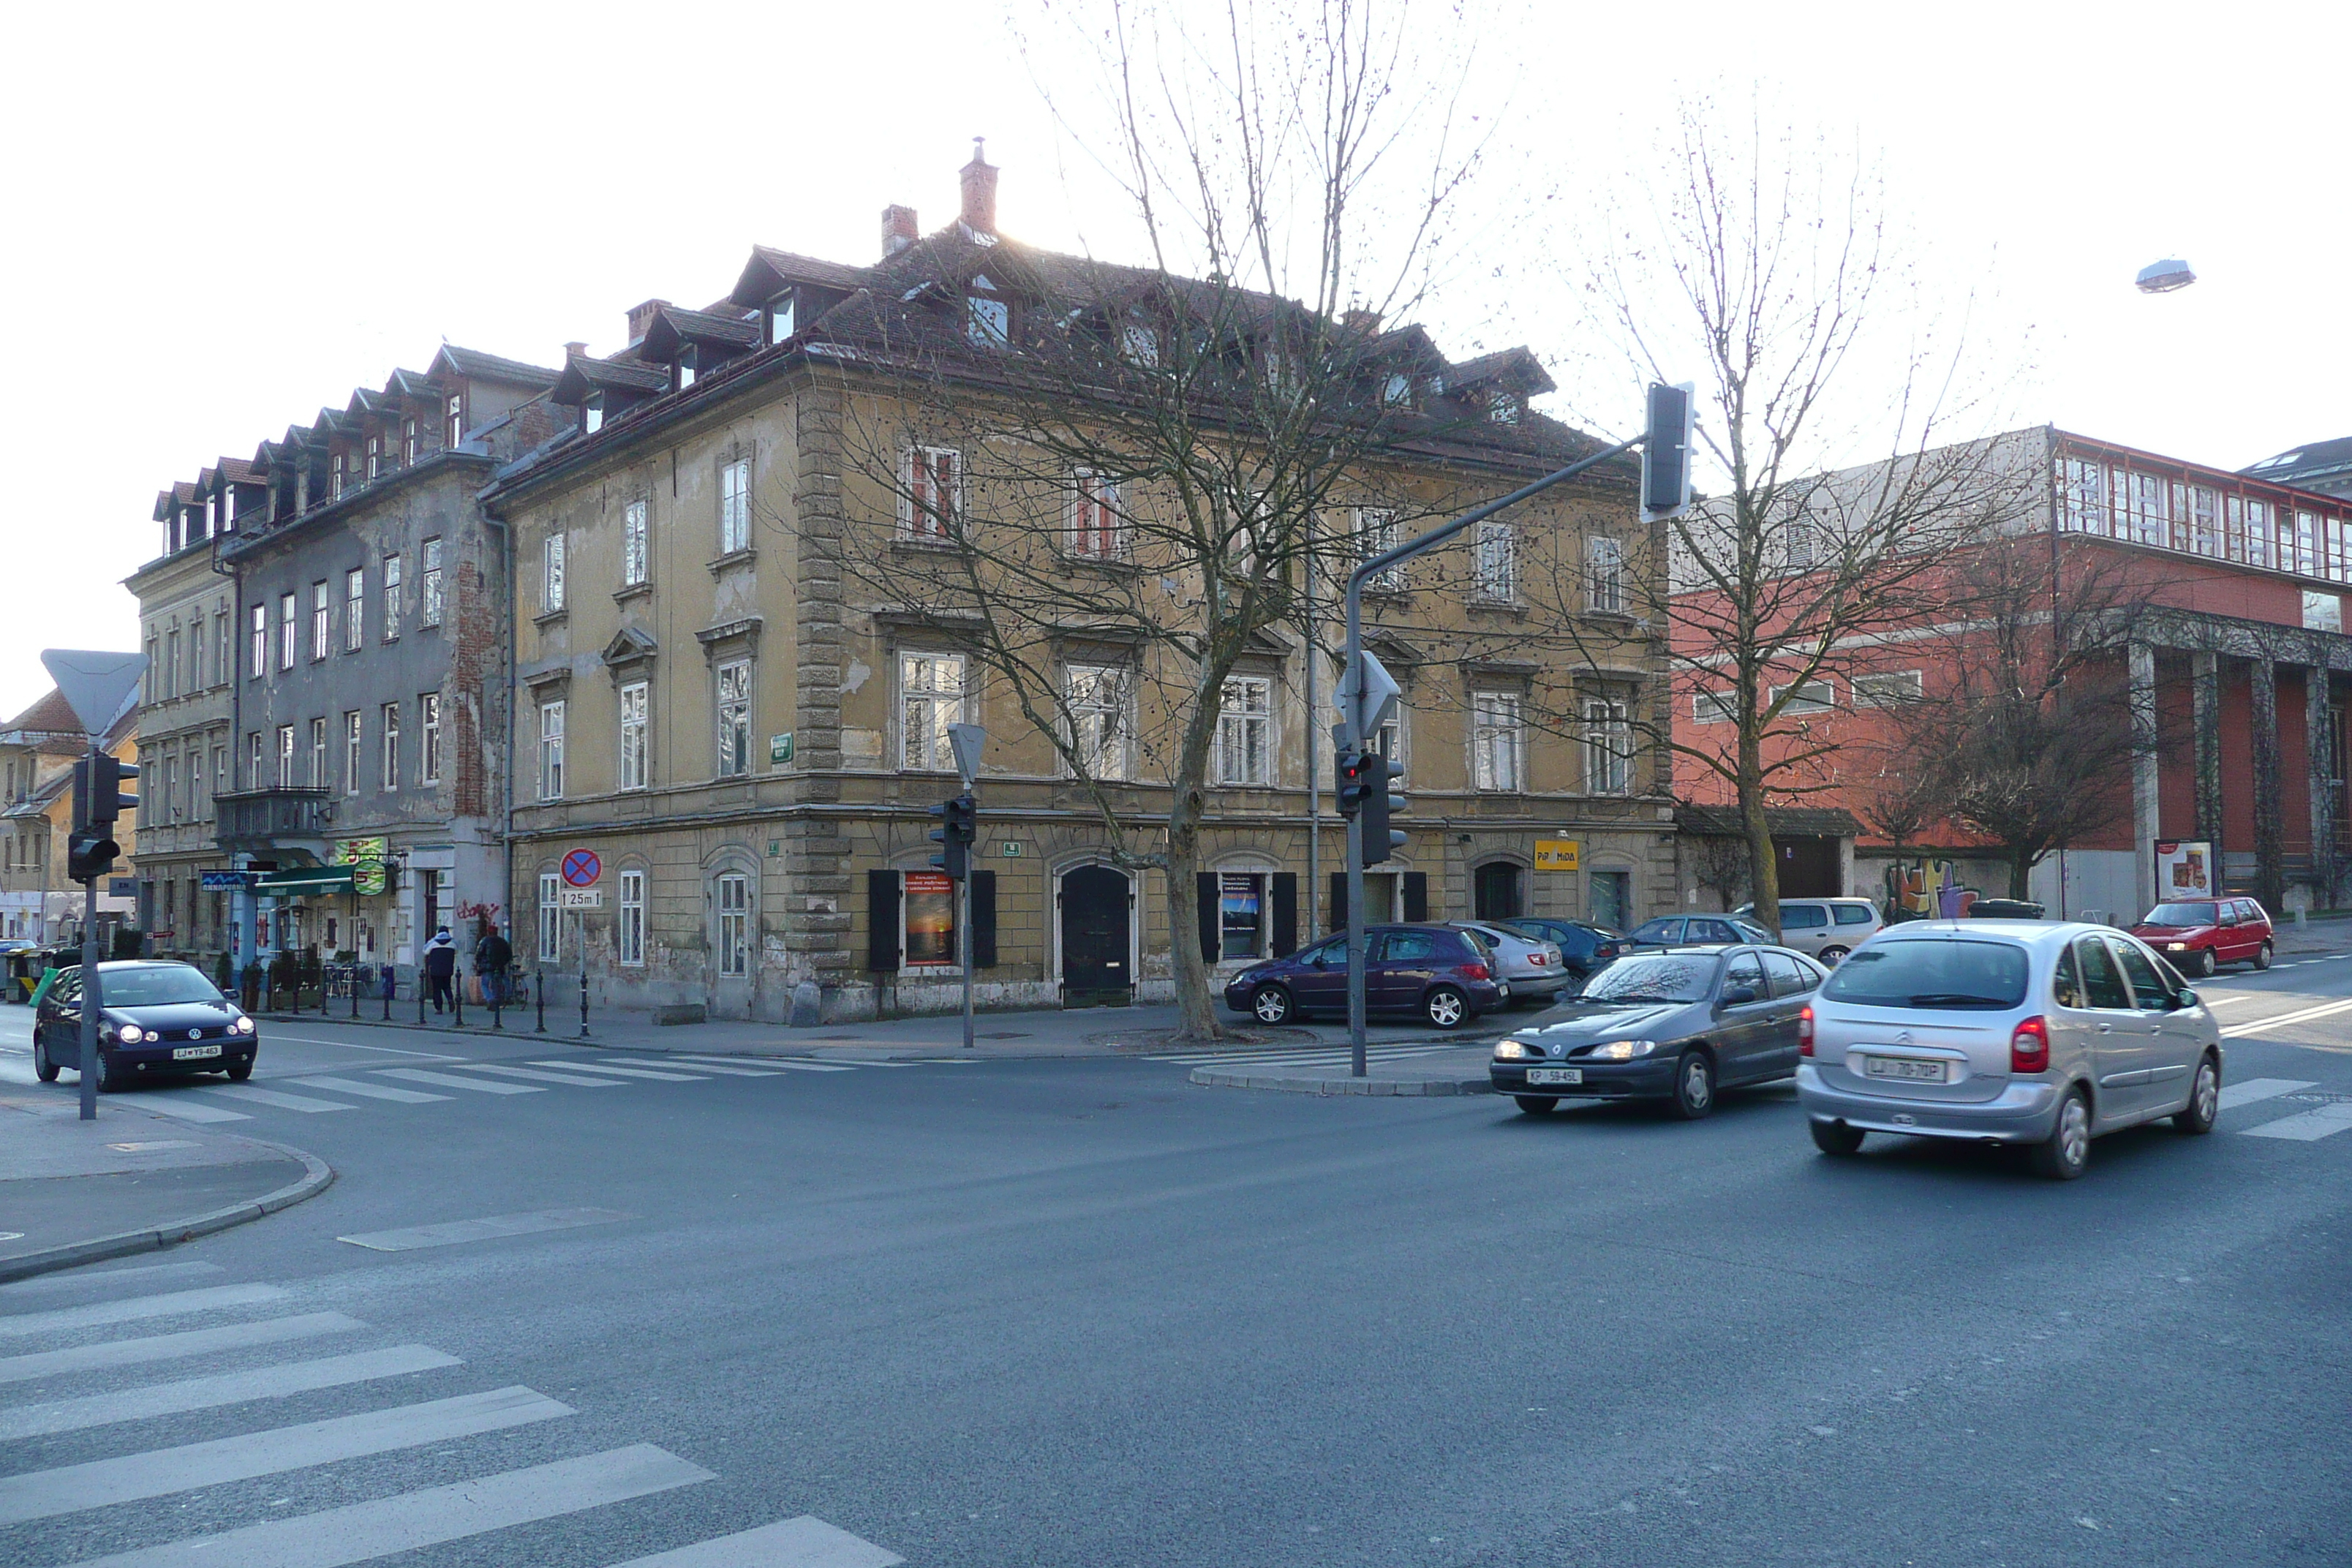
{"type": "Point", "coordinates": [301, 880]}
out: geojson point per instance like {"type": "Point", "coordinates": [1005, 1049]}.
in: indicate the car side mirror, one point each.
{"type": "Point", "coordinates": [1738, 996]}
{"type": "Point", "coordinates": [2187, 998]}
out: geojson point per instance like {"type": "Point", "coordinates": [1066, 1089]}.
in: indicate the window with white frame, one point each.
{"type": "Point", "coordinates": [2322, 612]}
{"type": "Point", "coordinates": [374, 456]}
{"type": "Point", "coordinates": [1888, 689]}
{"type": "Point", "coordinates": [453, 429]}
{"type": "Point", "coordinates": [634, 565]}
{"type": "Point", "coordinates": [285, 756]}
{"type": "Point", "coordinates": [1096, 530]}
{"type": "Point", "coordinates": [1376, 534]}
{"type": "Point", "coordinates": [354, 609]}
{"type": "Point", "coordinates": [1604, 575]}
{"type": "Point", "coordinates": [319, 779]}
{"type": "Point", "coordinates": [318, 613]}
{"type": "Point", "coordinates": [261, 640]}
{"type": "Point", "coordinates": [550, 917]}
{"type": "Point", "coordinates": [734, 683]}
{"type": "Point", "coordinates": [635, 769]}
{"type": "Point", "coordinates": [1715, 707]}
{"type": "Point", "coordinates": [1607, 747]}
{"type": "Point", "coordinates": [931, 698]}
{"type": "Point", "coordinates": [389, 769]}
{"type": "Point", "coordinates": [930, 492]}
{"type": "Point", "coordinates": [632, 919]}
{"type": "Point", "coordinates": [408, 441]}
{"type": "Point", "coordinates": [335, 476]}
{"type": "Point", "coordinates": [1495, 562]}
{"type": "Point", "coordinates": [551, 574]}
{"type": "Point", "coordinates": [987, 319]}
{"type": "Point", "coordinates": [222, 643]}
{"type": "Point", "coordinates": [781, 315]}
{"type": "Point", "coordinates": [391, 598]}
{"type": "Point", "coordinates": [735, 507]}
{"type": "Point", "coordinates": [550, 751]}
{"type": "Point", "coordinates": [1497, 741]}
{"type": "Point", "coordinates": [428, 603]}
{"type": "Point", "coordinates": [286, 623]}
{"type": "Point", "coordinates": [734, 901]}
{"type": "Point", "coordinates": [1245, 750]}
{"type": "Point", "coordinates": [253, 754]}
{"type": "Point", "coordinates": [428, 715]}
{"type": "Point", "coordinates": [1095, 697]}
{"type": "Point", "coordinates": [1811, 697]}
{"type": "Point", "coordinates": [353, 742]}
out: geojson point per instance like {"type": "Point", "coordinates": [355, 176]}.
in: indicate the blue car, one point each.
{"type": "Point", "coordinates": [1430, 971]}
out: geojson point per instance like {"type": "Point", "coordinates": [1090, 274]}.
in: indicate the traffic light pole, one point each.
{"type": "Point", "coordinates": [970, 953]}
{"type": "Point", "coordinates": [90, 1000]}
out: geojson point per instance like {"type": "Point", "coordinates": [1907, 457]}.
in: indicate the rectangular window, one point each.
{"type": "Point", "coordinates": [285, 775]}
{"type": "Point", "coordinates": [391, 598]}
{"type": "Point", "coordinates": [374, 456]}
{"type": "Point", "coordinates": [735, 507]}
{"type": "Point", "coordinates": [734, 925]}
{"type": "Point", "coordinates": [1721, 707]}
{"type": "Point", "coordinates": [2306, 543]}
{"type": "Point", "coordinates": [633, 544]}
{"type": "Point", "coordinates": [1097, 702]}
{"type": "Point", "coordinates": [351, 751]}
{"type": "Point", "coordinates": [1604, 576]}
{"type": "Point", "coordinates": [550, 578]}
{"type": "Point", "coordinates": [223, 673]}
{"type": "Point", "coordinates": [780, 317]}
{"type": "Point", "coordinates": [550, 918]}
{"type": "Point", "coordinates": [1244, 753]}
{"type": "Point", "coordinates": [335, 477]}
{"type": "Point", "coordinates": [632, 919]}
{"type": "Point", "coordinates": [254, 777]}
{"type": "Point", "coordinates": [1811, 697]}
{"type": "Point", "coordinates": [220, 772]}
{"type": "Point", "coordinates": [635, 774]}
{"type": "Point", "coordinates": [318, 620]}
{"type": "Point", "coordinates": [1096, 530]}
{"type": "Point", "coordinates": [734, 719]}
{"type": "Point", "coordinates": [550, 751]}
{"type": "Point", "coordinates": [1888, 689]}
{"type": "Point", "coordinates": [988, 323]}
{"type": "Point", "coordinates": [2151, 521]}
{"type": "Point", "coordinates": [1241, 914]}
{"type": "Point", "coordinates": [1376, 534]}
{"type": "Point", "coordinates": [171, 789]}
{"type": "Point", "coordinates": [319, 779]}
{"type": "Point", "coordinates": [390, 772]}
{"type": "Point", "coordinates": [172, 663]}
{"type": "Point", "coordinates": [2205, 521]}
{"type": "Point", "coordinates": [428, 754]}
{"type": "Point", "coordinates": [931, 694]}
{"type": "Point", "coordinates": [453, 428]}
{"type": "Point", "coordinates": [408, 441]}
{"type": "Point", "coordinates": [2322, 612]}
{"type": "Point", "coordinates": [1494, 740]}
{"type": "Point", "coordinates": [286, 615]}
{"type": "Point", "coordinates": [429, 603]}
{"type": "Point", "coordinates": [354, 609]}
{"type": "Point", "coordinates": [1496, 562]}
{"type": "Point", "coordinates": [1608, 748]}
{"type": "Point", "coordinates": [931, 492]}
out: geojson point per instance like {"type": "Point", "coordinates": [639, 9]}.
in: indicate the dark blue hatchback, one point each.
{"type": "Point", "coordinates": [1429, 971]}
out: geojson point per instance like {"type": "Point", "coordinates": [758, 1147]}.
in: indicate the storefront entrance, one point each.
{"type": "Point", "coordinates": [1096, 947]}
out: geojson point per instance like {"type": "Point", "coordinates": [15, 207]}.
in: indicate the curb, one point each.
{"type": "Point", "coordinates": [1409, 1088]}
{"type": "Point", "coordinates": [317, 1176]}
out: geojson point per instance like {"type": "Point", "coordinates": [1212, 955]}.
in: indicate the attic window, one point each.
{"type": "Point", "coordinates": [592, 414]}
{"type": "Point", "coordinates": [987, 320]}
{"type": "Point", "coordinates": [1398, 391]}
{"type": "Point", "coordinates": [1503, 409]}
{"type": "Point", "coordinates": [682, 374]}
{"type": "Point", "coordinates": [456, 429]}
{"type": "Point", "coordinates": [780, 317]}
{"type": "Point", "coordinates": [1139, 342]}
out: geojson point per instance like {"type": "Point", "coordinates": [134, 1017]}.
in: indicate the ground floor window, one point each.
{"type": "Point", "coordinates": [633, 917]}
{"type": "Point", "coordinates": [927, 907]}
{"type": "Point", "coordinates": [1497, 893]}
{"type": "Point", "coordinates": [734, 925]}
{"type": "Point", "coordinates": [1610, 900]}
{"type": "Point", "coordinates": [550, 917]}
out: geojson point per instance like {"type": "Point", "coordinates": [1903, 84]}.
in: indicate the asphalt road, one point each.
{"type": "Point", "coordinates": [1079, 1312]}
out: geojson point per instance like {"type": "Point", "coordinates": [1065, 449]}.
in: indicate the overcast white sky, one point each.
{"type": "Point", "coordinates": [223, 216]}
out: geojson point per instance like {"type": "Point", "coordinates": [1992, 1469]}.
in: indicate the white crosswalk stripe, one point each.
{"type": "Point", "coordinates": [446, 1080]}
{"type": "Point", "coordinates": [2321, 1121]}
{"type": "Point", "coordinates": [628, 1072]}
{"type": "Point", "coordinates": [536, 1075]}
{"type": "Point", "coordinates": [188, 1108]}
{"type": "Point", "coordinates": [170, 1347]}
{"type": "Point", "coordinates": [2258, 1088]}
{"type": "Point", "coordinates": [283, 1101]}
{"type": "Point", "coordinates": [373, 1090]}
{"type": "Point", "coordinates": [167, 1304]}
{"type": "Point", "coordinates": [728, 1069]}
{"type": "Point", "coordinates": [221, 1388]}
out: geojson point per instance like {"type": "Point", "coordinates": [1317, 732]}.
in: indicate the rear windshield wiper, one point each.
{"type": "Point", "coordinates": [1955, 999]}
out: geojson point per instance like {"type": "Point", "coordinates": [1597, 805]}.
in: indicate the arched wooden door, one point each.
{"type": "Point", "coordinates": [1096, 946]}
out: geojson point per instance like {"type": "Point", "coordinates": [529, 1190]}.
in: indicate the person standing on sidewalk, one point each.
{"type": "Point", "coordinates": [441, 967]}
{"type": "Point", "coordinates": [491, 956]}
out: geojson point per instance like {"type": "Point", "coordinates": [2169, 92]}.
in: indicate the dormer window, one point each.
{"type": "Point", "coordinates": [456, 430]}
{"type": "Point", "coordinates": [215, 511]}
{"type": "Point", "coordinates": [592, 414]}
{"type": "Point", "coordinates": [335, 477]}
{"type": "Point", "coordinates": [780, 317]}
{"type": "Point", "coordinates": [1397, 392]}
{"type": "Point", "coordinates": [987, 319]}
{"type": "Point", "coordinates": [682, 373]}
{"type": "Point", "coordinates": [1503, 409]}
{"type": "Point", "coordinates": [1139, 343]}
{"type": "Point", "coordinates": [408, 441]}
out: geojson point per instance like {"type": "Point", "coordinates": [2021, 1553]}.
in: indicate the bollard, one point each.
{"type": "Point", "coordinates": [420, 995]}
{"type": "Point", "coordinates": [388, 984]}
{"type": "Point", "coordinates": [538, 995]}
{"type": "Point", "coordinates": [458, 996]}
{"type": "Point", "coordinates": [355, 993]}
{"type": "Point", "coordinates": [583, 1001]}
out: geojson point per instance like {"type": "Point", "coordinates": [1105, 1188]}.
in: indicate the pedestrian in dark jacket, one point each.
{"type": "Point", "coordinates": [441, 967]}
{"type": "Point", "coordinates": [491, 956]}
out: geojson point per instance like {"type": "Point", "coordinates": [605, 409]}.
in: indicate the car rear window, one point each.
{"type": "Point", "coordinates": [1931, 971]}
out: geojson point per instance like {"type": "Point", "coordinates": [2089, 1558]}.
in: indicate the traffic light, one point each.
{"type": "Point", "coordinates": [97, 798]}
{"type": "Point", "coordinates": [1667, 452]}
{"type": "Point", "coordinates": [1355, 780]}
{"type": "Point", "coordinates": [89, 854]}
{"type": "Point", "coordinates": [1380, 840]}
{"type": "Point", "coordinates": [958, 827]}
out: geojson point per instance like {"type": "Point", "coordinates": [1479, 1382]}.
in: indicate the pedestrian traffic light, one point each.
{"type": "Point", "coordinates": [1379, 839]}
{"type": "Point", "coordinates": [90, 855]}
{"type": "Point", "coordinates": [958, 827]}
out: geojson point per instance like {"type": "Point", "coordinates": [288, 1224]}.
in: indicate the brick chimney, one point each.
{"type": "Point", "coordinates": [979, 192]}
{"type": "Point", "coordinates": [898, 230]}
{"type": "Point", "coordinates": [642, 316]}
{"type": "Point", "coordinates": [1356, 318]}
{"type": "Point", "coordinates": [574, 350]}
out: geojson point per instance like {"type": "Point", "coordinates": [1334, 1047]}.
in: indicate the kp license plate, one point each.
{"type": "Point", "coordinates": [1555, 1075]}
{"type": "Point", "coordinates": [194, 1053]}
{"type": "Point", "coordinates": [1904, 1068]}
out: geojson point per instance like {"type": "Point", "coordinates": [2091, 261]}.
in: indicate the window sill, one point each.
{"type": "Point", "coordinates": [910, 545]}
{"type": "Point", "coordinates": [550, 618]}
{"type": "Point", "coordinates": [1513, 607]}
{"type": "Point", "coordinates": [733, 558]}
{"type": "Point", "coordinates": [633, 591]}
{"type": "Point", "coordinates": [1118, 564]}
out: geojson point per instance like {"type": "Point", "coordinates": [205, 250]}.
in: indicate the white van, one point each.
{"type": "Point", "coordinates": [1826, 929]}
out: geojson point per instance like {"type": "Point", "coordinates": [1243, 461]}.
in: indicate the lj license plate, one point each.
{"type": "Point", "coordinates": [194, 1053]}
{"type": "Point", "coordinates": [1555, 1075]}
{"type": "Point", "coordinates": [1904, 1068]}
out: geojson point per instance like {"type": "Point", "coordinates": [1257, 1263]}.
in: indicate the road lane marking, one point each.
{"type": "Point", "coordinates": [729, 1070]}
{"type": "Point", "coordinates": [373, 1090]}
{"type": "Point", "coordinates": [188, 1109]}
{"type": "Point", "coordinates": [365, 1531]}
{"type": "Point", "coordinates": [171, 1303]}
{"type": "Point", "coordinates": [538, 1077]}
{"type": "Point", "coordinates": [2322, 1121]}
{"type": "Point", "coordinates": [445, 1081]}
{"type": "Point", "coordinates": [450, 1232]}
{"type": "Point", "coordinates": [356, 1046]}
{"type": "Point", "coordinates": [168, 1347]}
{"type": "Point", "coordinates": [283, 1101]}
{"type": "Point", "coordinates": [2237, 1031]}
{"type": "Point", "coordinates": [133, 1477]}
{"type": "Point", "coordinates": [628, 1072]}
{"type": "Point", "coordinates": [2255, 1089]}
{"type": "Point", "coordinates": [804, 1542]}
{"type": "Point", "coordinates": [221, 1388]}
{"type": "Point", "coordinates": [92, 1286]}
{"type": "Point", "coordinates": [2227, 1001]}
{"type": "Point", "coordinates": [795, 1064]}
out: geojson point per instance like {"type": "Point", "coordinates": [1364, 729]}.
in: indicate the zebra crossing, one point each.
{"type": "Point", "coordinates": [1300, 1056]}
{"type": "Point", "coordinates": [418, 1397]}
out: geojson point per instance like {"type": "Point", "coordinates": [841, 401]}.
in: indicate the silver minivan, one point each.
{"type": "Point", "coordinates": [1826, 929]}
{"type": "Point", "coordinates": [2040, 1033]}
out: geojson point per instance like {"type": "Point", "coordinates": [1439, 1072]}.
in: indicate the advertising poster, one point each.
{"type": "Point", "coordinates": [1238, 914]}
{"type": "Point", "coordinates": [930, 906]}
{"type": "Point", "coordinates": [2184, 868]}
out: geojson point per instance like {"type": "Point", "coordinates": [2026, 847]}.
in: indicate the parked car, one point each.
{"type": "Point", "coordinates": [156, 1019]}
{"type": "Point", "coordinates": [1698, 930]}
{"type": "Point", "coordinates": [2044, 1034]}
{"type": "Point", "coordinates": [1430, 971]}
{"type": "Point", "coordinates": [1584, 949]}
{"type": "Point", "coordinates": [1673, 1025]}
{"type": "Point", "coordinates": [1828, 928]}
{"type": "Point", "coordinates": [2200, 934]}
{"type": "Point", "coordinates": [1528, 963]}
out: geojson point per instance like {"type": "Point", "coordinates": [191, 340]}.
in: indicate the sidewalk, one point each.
{"type": "Point", "coordinates": [1449, 1072]}
{"type": "Point", "coordinates": [74, 1192]}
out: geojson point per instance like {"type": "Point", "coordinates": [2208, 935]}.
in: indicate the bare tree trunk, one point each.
{"type": "Point", "coordinates": [2020, 873]}
{"type": "Point", "coordinates": [1763, 862]}
{"type": "Point", "coordinates": [1188, 967]}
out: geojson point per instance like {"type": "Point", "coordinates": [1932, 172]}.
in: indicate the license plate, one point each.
{"type": "Point", "coordinates": [194, 1053]}
{"type": "Point", "coordinates": [1903, 1068]}
{"type": "Point", "coordinates": [1555, 1075]}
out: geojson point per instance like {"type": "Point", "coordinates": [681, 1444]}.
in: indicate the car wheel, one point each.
{"type": "Point", "coordinates": [239, 1071]}
{"type": "Point", "coordinates": [1447, 1007]}
{"type": "Point", "coordinates": [2203, 968]}
{"type": "Point", "coordinates": [1694, 1086]}
{"type": "Point", "coordinates": [2262, 956]}
{"type": "Point", "coordinates": [111, 1079]}
{"type": "Point", "coordinates": [1270, 1005]}
{"type": "Point", "coordinates": [1836, 1137]}
{"type": "Point", "coordinates": [2204, 1098]}
{"type": "Point", "coordinates": [43, 1068]}
{"type": "Point", "coordinates": [1537, 1104]}
{"type": "Point", "coordinates": [2066, 1153]}
{"type": "Point", "coordinates": [1833, 956]}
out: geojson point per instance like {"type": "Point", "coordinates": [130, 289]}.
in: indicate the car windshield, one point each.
{"type": "Point", "coordinates": [2181, 915]}
{"type": "Point", "coordinates": [1931, 971]}
{"type": "Point", "coordinates": [154, 987]}
{"type": "Point", "coordinates": [1654, 977]}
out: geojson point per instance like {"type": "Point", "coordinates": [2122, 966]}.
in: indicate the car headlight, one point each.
{"type": "Point", "coordinates": [1622, 1050]}
{"type": "Point", "coordinates": [130, 1034]}
{"type": "Point", "coordinates": [2175, 947]}
{"type": "Point", "coordinates": [1514, 1050]}
{"type": "Point", "coordinates": [244, 1026]}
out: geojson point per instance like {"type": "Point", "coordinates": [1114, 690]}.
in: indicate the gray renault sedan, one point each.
{"type": "Point", "coordinates": [1672, 1025]}
{"type": "Point", "coordinates": [2044, 1034]}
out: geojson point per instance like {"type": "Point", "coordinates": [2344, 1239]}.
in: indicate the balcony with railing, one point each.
{"type": "Point", "coordinates": [282, 817]}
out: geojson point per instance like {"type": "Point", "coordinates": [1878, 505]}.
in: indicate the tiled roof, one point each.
{"type": "Point", "coordinates": [584, 375]}
{"type": "Point", "coordinates": [2307, 465]}
{"type": "Point", "coordinates": [52, 713]}
{"type": "Point", "coordinates": [474, 365]}
{"type": "Point", "coordinates": [672, 325]}
{"type": "Point", "coordinates": [768, 270]}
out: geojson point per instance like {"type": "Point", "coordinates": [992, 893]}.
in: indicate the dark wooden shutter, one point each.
{"type": "Point", "coordinates": [882, 921]}
{"type": "Point", "coordinates": [983, 919]}
{"type": "Point", "coordinates": [1339, 905]}
{"type": "Point", "coordinates": [1285, 913]}
{"type": "Point", "coordinates": [1207, 884]}
{"type": "Point", "coordinates": [1416, 895]}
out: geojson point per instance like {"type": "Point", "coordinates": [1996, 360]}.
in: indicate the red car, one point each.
{"type": "Point", "coordinates": [2200, 934]}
